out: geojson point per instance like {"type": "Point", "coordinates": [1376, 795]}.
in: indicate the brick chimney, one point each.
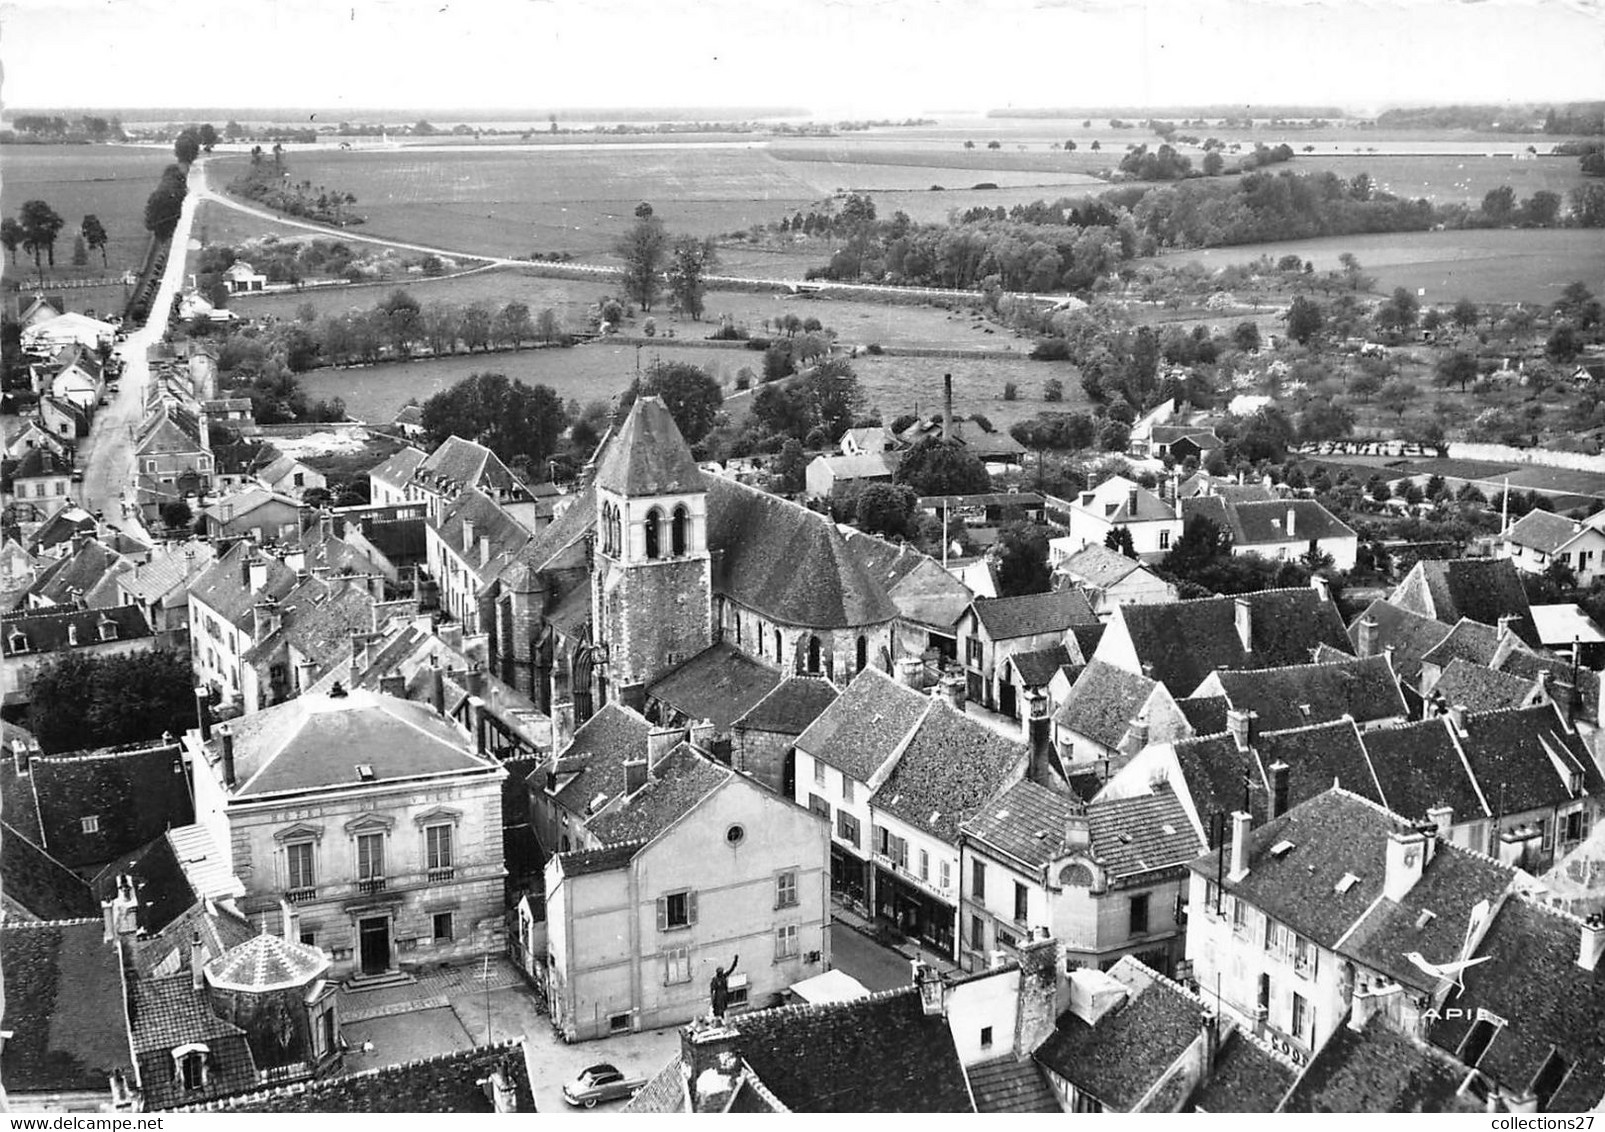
{"type": "Point", "coordinates": [197, 961]}
{"type": "Point", "coordinates": [1039, 993]}
{"type": "Point", "coordinates": [203, 712]}
{"type": "Point", "coordinates": [225, 739]}
{"type": "Point", "coordinates": [947, 406]}
{"type": "Point", "coordinates": [1243, 615]}
{"type": "Point", "coordinates": [468, 535]}
{"type": "Point", "coordinates": [1039, 735]}
{"type": "Point", "coordinates": [1369, 1000]}
{"type": "Point", "coordinates": [933, 991]}
{"type": "Point", "coordinates": [1591, 943]}
{"type": "Point", "coordinates": [121, 913]}
{"type": "Point", "coordinates": [1077, 830]}
{"type": "Point", "coordinates": [1278, 772]}
{"type": "Point", "coordinates": [437, 688]}
{"type": "Point", "coordinates": [1240, 825]}
{"type": "Point", "coordinates": [1367, 645]}
{"type": "Point", "coordinates": [1131, 502]}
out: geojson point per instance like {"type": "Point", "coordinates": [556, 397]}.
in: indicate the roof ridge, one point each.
{"type": "Point", "coordinates": [1265, 1047]}
{"type": "Point", "coordinates": [89, 755]}
{"type": "Point", "coordinates": [626, 843]}
{"type": "Point", "coordinates": [797, 1009]}
{"type": "Point", "coordinates": [1477, 854]}
{"type": "Point", "coordinates": [1559, 913]}
{"type": "Point", "coordinates": [1324, 664]}
{"type": "Point", "coordinates": [1377, 806]}
{"type": "Point", "coordinates": [74, 922]}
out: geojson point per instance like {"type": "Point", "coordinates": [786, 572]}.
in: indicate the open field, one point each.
{"type": "Point", "coordinates": [857, 323]}
{"type": "Point", "coordinates": [905, 385]}
{"type": "Point", "coordinates": [1449, 178]}
{"type": "Point", "coordinates": [112, 182]}
{"type": "Point", "coordinates": [1486, 265]}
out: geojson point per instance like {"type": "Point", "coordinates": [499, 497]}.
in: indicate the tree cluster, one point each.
{"type": "Point", "coordinates": [82, 702]}
{"type": "Point", "coordinates": [166, 202]}
{"type": "Point", "coordinates": [522, 424]}
{"type": "Point", "coordinates": [267, 183]}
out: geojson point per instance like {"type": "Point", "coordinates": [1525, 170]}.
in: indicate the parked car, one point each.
{"type": "Point", "coordinates": [601, 1082]}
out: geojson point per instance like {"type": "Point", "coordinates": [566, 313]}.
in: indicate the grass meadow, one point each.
{"type": "Point", "coordinates": [110, 181]}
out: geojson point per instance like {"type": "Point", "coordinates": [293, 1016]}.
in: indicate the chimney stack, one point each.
{"type": "Point", "coordinates": [484, 551]}
{"type": "Point", "coordinates": [1278, 772]}
{"type": "Point", "coordinates": [1243, 615]}
{"type": "Point", "coordinates": [1367, 644]}
{"type": "Point", "coordinates": [1244, 727]}
{"type": "Point", "coordinates": [1457, 717]}
{"type": "Point", "coordinates": [1507, 625]}
{"type": "Point", "coordinates": [1443, 817]}
{"type": "Point", "coordinates": [1592, 942]}
{"type": "Point", "coordinates": [947, 406]}
{"type": "Point", "coordinates": [1039, 734]}
{"type": "Point", "coordinates": [1131, 502]}
{"type": "Point", "coordinates": [1077, 830]}
{"type": "Point", "coordinates": [1406, 858]}
{"type": "Point", "coordinates": [701, 735]}
{"type": "Point", "coordinates": [1292, 519]}
{"type": "Point", "coordinates": [225, 737]}
{"type": "Point", "coordinates": [709, 1060]}
{"type": "Point", "coordinates": [634, 775]}
{"type": "Point", "coordinates": [468, 535]}
{"type": "Point", "coordinates": [1240, 824]}
{"type": "Point", "coordinates": [1039, 992]}
{"type": "Point", "coordinates": [258, 574]}
{"type": "Point", "coordinates": [203, 712]}
{"type": "Point", "coordinates": [393, 684]}
{"type": "Point", "coordinates": [933, 992]}
{"type": "Point", "coordinates": [659, 742]}
{"type": "Point", "coordinates": [1322, 587]}
{"type": "Point", "coordinates": [437, 688]}
{"type": "Point", "coordinates": [197, 961]}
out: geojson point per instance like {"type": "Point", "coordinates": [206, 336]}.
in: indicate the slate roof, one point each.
{"type": "Point", "coordinates": [1248, 1077]}
{"type": "Point", "coordinates": [1544, 531]}
{"type": "Point", "coordinates": [1205, 714]}
{"type": "Point", "coordinates": [1005, 618]}
{"type": "Point", "coordinates": [236, 506]}
{"type": "Point", "coordinates": [163, 891]}
{"type": "Point", "coordinates": [458, 464]}
{"type": "Point", "coordinates": [1111, 502]}
{"type": "Point", "coordinates": [1333, 834]}
{"type": "Point", "coordinates": [225, 590]}
{"type": "Point", "coordinates": [1133, 1045]}
{"type": "Point", "coordinates": [1038, 667]}
{"type": "Point", "coordinates": [51, 629]}
{"type": "Point", "coordinates": [166, 571]}
{"type": "Point", "coordinates": [676, 786]}
{"type": "Point", "coordinates": [1527, 665]}
{"type": "Point", "coordinates": [134, 795]}
{"type": "Point", "coordinates": [950, 768]}
{"type": "Point", "coordinates": [865, 726]}
{"type": "Point", "coordinates": [1259, 524]}
{"type": "Point", "coordinates": [871, 465]}
{"type": "Point", "coordinates": [1097, 565]}
{"type": "Point", "coordinates": [64, 1006]}
{"type": "Point", "coordinates": [61, 527]}
{"type": "Point", "coordinates": [788, 563]}
{"type": "Point", "coordinates": [1419, 767]}
{"type": "Point", "coordinates": [1213, 769]}
{"type": "Point", "coordinates": [1087, 637]}
{"type": "Point", "coordinates": [490, 521]}
{"type": "Point", "coordinates": [1302, 694]}
{"type": "Point", "coordinates": [1187, 640]}
{"type": "Point", "coordinates": [398, 469]}
{"type": "Point", "coordinates": [1453, 883]}
{"type": "Point", "coordinates": [921, 590]}
{"type": "Point", "coordinates": [288, 746]}
{"type": "Point", "coordinates": [1468, 640]}
{"type": "Point", "coordinates": [1483, 589]}
{"type": "Point", "coordinates": [69, 580]}
{"type": "Point", "coordinates": [1378, 1070]}
{"type": "Point", "coordinates": [1316, 756]}
{"type": "Point", "coordinates": [721, 683]}
{"type": "Point", "coordinates": [1481, 689]}
{"type": "Point", "coordinates": [1412, 636]}
{"type": "Point", "coordinates": [38, 883]}
{"type": "Point", "coordinates": [165, 1013]}
{"type": "Point", "coordinates": [1514, 754]}
{"type": "Point", "coordinates": [593, 762]}
{"type": "Point", "coordinates": [1532, 980]}
{"type": "Point", "coordinates": [1103, 702]}
{"type": "Point", "coordinates": [649, 456]}
{"type": "Point", "coordinates": [875, 1054]}
{"type": "Point", "coordinates": [36, 463]}
{"type": "Point", "coordinates": [1006, 1085]}
{"type": "Point", "coordinates": [791, 707]}
{"type": "Point", "coordinates": [447, 1083]}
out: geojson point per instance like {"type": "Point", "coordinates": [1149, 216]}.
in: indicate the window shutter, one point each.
{"type": "Point", "coordinates": [668, 960]}
{"type": "Point", "coordinates": [663, 914]}
{"type": "Point", "coordinates": [690, 907]}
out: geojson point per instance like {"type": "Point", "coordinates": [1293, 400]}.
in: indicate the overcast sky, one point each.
{"type": "Point", "coordinates": [829, 56]}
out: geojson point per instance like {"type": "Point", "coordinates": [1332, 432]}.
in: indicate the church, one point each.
{"type": "Point", "coordinates": [653, 562]}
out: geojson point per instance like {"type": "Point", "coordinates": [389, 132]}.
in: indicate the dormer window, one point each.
{"type": "Point", "coordinates": [108, 629]}
{"type": "Point", "coordinates": [19, 642]}
{"type": "Point", "coordinates": [72, 635]}
{"type": "Point", "coordinates": [191, 1066]}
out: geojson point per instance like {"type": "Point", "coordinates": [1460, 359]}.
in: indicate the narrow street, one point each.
{"type": "Point", "coordinates": [107, 456]}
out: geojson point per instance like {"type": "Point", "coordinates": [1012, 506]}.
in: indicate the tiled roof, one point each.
{"type": "Point", "coordinates": [949, 769]}
{"type": "Point", "coordinates": [450, 1082]}
{"type": "Point", "coordinates": [1103, 702]}
{"type": "Point", "coordinates": [1317, 756]}
{"type": "Point", "coordinates": [1026, 822]}
{"type": "Point", "coordinates": [1258, 524]}
{"type": "Point", "coordinates": [236, 506]}
{"type": "Point", "coordinates": [1452, 884]}
{"type": "Point", "coordinates": [581, 862]}
{"type": "Point", "coordinates": [225, 590]}
{"type": "Point", "coordinates": [1142, 834]}
{"type": "Point", "coordinates": [1518, 754]}
{"type": "Point", "coordinates": [1214, 770]}
{"type": "Point", "coordinates": [1332, 835]}
{"type": "Point", "coordinates": [490, 521]}
{"type": "Point", "coordinates": [1419, 767]}
{"type": "Point", "coordinates": [1483, 589]}
{"type": "Point", "coordinates": [877, 1054]}
{"type": "Point", "coordinates": [1481, 689]}
{"type": "Point", "coordinates": [72, 578]}
{"type": "Point", "coordinates": [61, 527]}
{"type": "Point", "coordinates": [1205, 714]}
{"type": "Point", "coordinates": [1532, 980]}
{"type": "Point", "coordinates": [922, 591]}
{"type": "Point", "coordinates": [868, 466]}
{"type": "Point", "coordinates": [1133, 1045]}
{"type": "Point", "coordinates": [593, 763]}
{"type": "Point", "coordinates": [1544, 530]}
{"type": "Point", "coordinates": [721, 683]}
{"type": "Point", "coordinates": [1527, 665]}
{"type": "Point", "coordinates": [1087, 638]}
{"type": "Point", "coordinates": [163, 891]}
{"type": "Point", "coordinates": [1379, 1070]}
{"type": "Point", "coordinates": [1038, 667]}
{"type": "Point", "coordinates": [664, 1092]}
{"type": "Point", "coordinates": [1412, 636]}
{"type": "Point", "coordinates": [167, 569]}
{"type": "Point", "coordinates": [865, 726]}
{"type": "Point", "coordinates": [63, 1007]}
{"type": "Point", "coordinates": [1112, 502]}
{"type": "Point", "coordinates": [291, 746]}
{"type": "Point", "coordinates": [165, 1013]}
{"type": "Point", "coordinates": [1005, 618]}
{"type": "Point", "coordinates": [1248, 1076]}
{"type": "Point", "coordinates": [1468, 640]}
{"type": "Point", "coordinates": [791, 707]}
{"type": "Point", "coordinates": [133, 795]}
{"type": "Point", "coordinates": [460, 463]}
{"type": "Point", "coordinates": [398, 469]}
{"type": "Point", "coordinates": [41, 885]}
{"type": "Point", "coordinates": [37, 463]}
{"type": "Point", "coordinates": [788, 563]}
{"type": "Point", "coordinates": [167, 952]}
{"type": "Point", "coordinates": [1316, 693]}
{"type": "Point", "coordinates": [1187, 640]}
{"type": "Point", "coordinates": [648, 456]}
{"type": "Point", "coordinates": [1006, 1085]}
{"type": "Point", "coordinates": [50, 630]}
{"type": "Point", "coordinates": [676, 786]}
{"type": "Point", "coordinates": [1097, 565]}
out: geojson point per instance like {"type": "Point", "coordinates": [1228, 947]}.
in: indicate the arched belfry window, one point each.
{"type": "Point", "coordinates": [680, 534]}
{"type": "Point", "coordinates": [654, 533]}
{"type": "Point", "coordinates": [813, 654]}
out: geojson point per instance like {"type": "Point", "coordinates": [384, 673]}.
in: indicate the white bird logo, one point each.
{"type": "Point", "coordinates": [1453, 971]}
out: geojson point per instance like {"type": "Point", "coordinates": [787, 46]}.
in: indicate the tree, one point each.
{"type": "Point", "coordinates": [1457, 368]}
{"type": "Point", "coordinates": [1119, 540]}
{"type": "Point", "coordinates": [94, 234]}
{"type": "Point", "coordinates": [1541, 209]}
{"type": "Point", "coordinates": [476, 326]}
{"type": "Point", "coordinates": [176, 514]}
{"type": "Point", "coordinates": [690, 394]}
{"type": "Point", "coordinates": [11, 236]}
{"type": "Point", "coordinates": [81, 701]}
{"type": "Point", "coordinates": [1304, 319]}
{"type": "Point", "coordinates": [1023, 560]}
{"type": "Point", "coordinates": [1246, 337]}
{"type": "Point", "coordinates": [40, 226]}
{"type": "Point", "coordinates": [1096, 145]}
{"type": "Point", "coordinates": [520, 423]}
{"type": "Point", "coordinates": [791, 467]}
{"type": "Point", "coordinates": [547, 326]}
{"type": "Point", "coordinates": [166, 203]}
{"type": "Point", "coordinates": [969, 144]}
{"type": "Point", "coordinates": [1397, 396]}
{"type": "Point", "coordinates": [1499, 204]}
{"type": "Point", "coordinates": [80, 252]}
{"type": "Point", "coordinates": [943, 467]}
{"type": "Point", "coordinates": [689, 262]}
{"type": "Point", "coordinates": [514, 326]}
{"type": "Point", "coordinates": [186, 148]}
{"type": "Point", "coordinates": [1465, 314]}
{"type": "Point", "coordinates": [643, 249]}
{"type": "Point", "coordinates": [1399, 312]}
{"type": "Point", "coordinates": [994, 144]}
{"type": "Point", "coordinates": [1365, 384]}
{"type": "Point", "coordinates": [1053, 390]}
{"type": "Point", "coordinates": [1562, 345]}
{"type": "Point", "coordinates": [207, 136]}
{"type": "Point", "coordinates": [887, 510]}
{"type": "Point", "coordinates": [1213, 163]}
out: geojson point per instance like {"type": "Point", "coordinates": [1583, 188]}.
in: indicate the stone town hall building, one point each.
{"type": "Point", "coordinates": [655, 561]}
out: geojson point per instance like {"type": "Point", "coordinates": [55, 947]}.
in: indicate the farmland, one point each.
{"type": "Point", "coordinates": [1486, 265]}
{"type": "Point", "coordinates": [111, 182]}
